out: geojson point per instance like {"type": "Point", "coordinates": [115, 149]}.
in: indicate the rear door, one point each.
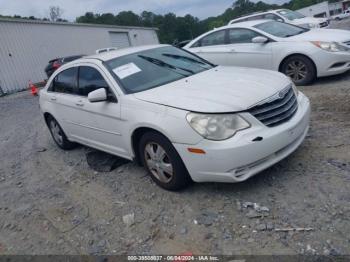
{"type": "Point", "coordinates": [242, 52]}
{"type": "Point", "coordinates": [61, 93]}
{"type": "Point", "coordinates": [212, 47]}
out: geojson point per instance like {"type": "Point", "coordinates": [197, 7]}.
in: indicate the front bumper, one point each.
{"type": "Point", "coordinates": [331, 63]}
{"type": "Point", "coordinates": [239, 158]}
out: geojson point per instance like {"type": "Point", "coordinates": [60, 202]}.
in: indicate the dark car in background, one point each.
{"type": "Point", "coordinates": [57, 62]}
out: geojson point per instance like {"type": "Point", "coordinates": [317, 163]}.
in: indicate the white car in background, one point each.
{"type": "Point", "coordinates": [180, 116]}
{"type": "Point", "coordinates": [345, 14]}
{"type": "Point", "coordinates": [302, 54]}
{"type": "Point", "coordinates": [286, 16]}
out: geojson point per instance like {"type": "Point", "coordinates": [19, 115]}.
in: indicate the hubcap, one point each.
{"type": "Point", "coordinates": [158, 162]}
{"type": "Point", "coordinates": [296, 70]}
{"type": "Point", "coordinates": [56, 132]}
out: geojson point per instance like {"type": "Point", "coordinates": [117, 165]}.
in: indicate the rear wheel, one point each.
{"type": "Point", "coordinates": [58, 135]}
{"type": "Point", "coordinates": [162, 161]}
{"type": "Point", "coordinates": [300, 69]}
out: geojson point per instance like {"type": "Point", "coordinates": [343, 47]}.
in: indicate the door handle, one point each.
{"type": "Point", "coordinates": [233, 50]}
{"type": "Point", "coordinates": [79, 103]}
{"type": "Point", "coordinates": [53, 98]}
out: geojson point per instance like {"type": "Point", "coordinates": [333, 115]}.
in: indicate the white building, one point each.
{"type": "Point", "coordinates": [324, 9]}
{"type": "Point", "coordinates": [26, 46]}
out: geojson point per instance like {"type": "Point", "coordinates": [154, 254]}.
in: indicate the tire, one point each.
{"type": "Point", "coordinates": [58, 134]}
{"type": "Point", "coordinates": [165, 166]}
{"type": "Point", "coordinates": [300, 69]}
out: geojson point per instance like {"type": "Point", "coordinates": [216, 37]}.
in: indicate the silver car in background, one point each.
{"type": "Point", "coordinates": [302, 54]}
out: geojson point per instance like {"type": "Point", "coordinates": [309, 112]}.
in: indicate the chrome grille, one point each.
{"type": "Point", "coordinates": [278, 111]}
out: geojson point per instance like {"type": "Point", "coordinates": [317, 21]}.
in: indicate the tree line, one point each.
{"type": "Point", "coordinates": [172, 28]}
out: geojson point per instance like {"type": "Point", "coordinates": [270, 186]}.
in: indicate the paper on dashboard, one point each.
{"type": "Point", "coordinates": [126, 70]}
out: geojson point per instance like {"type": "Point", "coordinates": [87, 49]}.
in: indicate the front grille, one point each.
{"type": "Point", "coordinates": [324, 24]}
{"type": "Point", "coordinates": [347, 43]}
{"type": "Point", "coordinates": [279, 110]}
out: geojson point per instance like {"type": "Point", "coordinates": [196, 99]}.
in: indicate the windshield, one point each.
{"type": "Point", "coordinates": [155, 67]}
{"type": "Point", "coordinates": [291, 15]}
{"type": "Point", "coordinates": [280, 29]}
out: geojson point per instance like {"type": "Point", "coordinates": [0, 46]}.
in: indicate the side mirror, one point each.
{"type": "Point", "coordinates": [260, 40]}
{"type": "Point", "coordinates": [98, 95]}
{"type": "Point", "coordinates": [280, 20]}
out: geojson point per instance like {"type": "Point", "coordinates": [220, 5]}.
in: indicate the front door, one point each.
{"type": "Point", "coordinates": [212, 47]}
{"type": "Point", "coordinates": [100, 123]}
{"type": "Point", "coordinates": [241, 51]}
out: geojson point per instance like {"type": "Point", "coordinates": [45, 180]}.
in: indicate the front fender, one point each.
{"type": "Point", "coordinates": [293, 48]}
{"type": "Point", "coordinates": [170, 122]}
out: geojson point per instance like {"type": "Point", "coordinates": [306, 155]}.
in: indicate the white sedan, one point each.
{"type": "Point", "coordinates": [345, 14]}
{"type": "Point", "coordinates": [183, 118]}
{"type": "Point", "coordinates": [286, 16]}
{"type": "Point", "coordinates": [300, 53]}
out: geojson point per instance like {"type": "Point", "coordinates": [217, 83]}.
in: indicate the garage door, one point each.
{"type": "Point", "coordinates": [119, 40]}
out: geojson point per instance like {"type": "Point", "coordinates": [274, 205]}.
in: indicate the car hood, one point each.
{"type": "Point", "coordinates": [309, 20]}
{"type": "Point", "coordinates": [219, 90]}
{"type": "Point", "coordinates": [327, 35]}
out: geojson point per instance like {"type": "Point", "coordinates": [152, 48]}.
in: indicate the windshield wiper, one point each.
{"type": "Point", "coordinates": [161, 63]}
{"type": "Point", "coordinates": [185, 58]}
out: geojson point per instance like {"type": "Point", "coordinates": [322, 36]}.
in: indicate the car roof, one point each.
{"type": "Point", "coordinates": [248, 24]}
{"type": "Point", "coordinates": [255, 14]}
{"type": "Point", "coordinates": [251, 23]}
{"type": "Point", "coordinates": [105, 56]}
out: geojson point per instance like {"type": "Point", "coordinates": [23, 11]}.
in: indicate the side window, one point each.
{"type": "Point", "coordinates": [216, 38]}
{"type": "Point", "coordinates": [65, 82]}
{"type": "Point", "coordinates": [89, 80]}
{"type": "Point", "coordinates": [196, 44]}
{"type": "Point", "coordinates": [237, 36]}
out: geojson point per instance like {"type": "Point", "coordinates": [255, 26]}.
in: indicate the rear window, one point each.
{"type": "Point", "coordinates": [65, 82]}
{"type": "Point", "coordinates": [291, 15]}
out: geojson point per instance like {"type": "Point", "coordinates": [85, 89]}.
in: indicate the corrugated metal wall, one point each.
{"type": "Point", "coordinates": [26, 48]}
{"type": "Point", "coordinates": [119, 39]}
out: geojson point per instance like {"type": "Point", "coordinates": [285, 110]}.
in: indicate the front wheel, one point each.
{"type": "Point", "coordinates": [58, 135]}
{"type": "Point", "coordinates": [162, 161]}
{"type": "Point", "coordinates": [300, 69]}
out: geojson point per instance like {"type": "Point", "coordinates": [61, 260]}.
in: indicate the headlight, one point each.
{"type": "Point", "coordinates": [314, 25]}
{"type": "Point", "coordinates": [310, 26]}
{"type": "Point", "coordinates": [330, 46]}
{"type": "Point", "coordinates": [216, 126]}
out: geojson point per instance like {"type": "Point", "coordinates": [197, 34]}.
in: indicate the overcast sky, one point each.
{"type": "Point", "coordinates": [74, 8]}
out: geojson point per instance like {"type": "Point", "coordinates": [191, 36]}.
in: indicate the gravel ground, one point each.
{"type": "Point", "coordinates": [342, 24]}
{"type": "Point", "coordinates": [52, 202]}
